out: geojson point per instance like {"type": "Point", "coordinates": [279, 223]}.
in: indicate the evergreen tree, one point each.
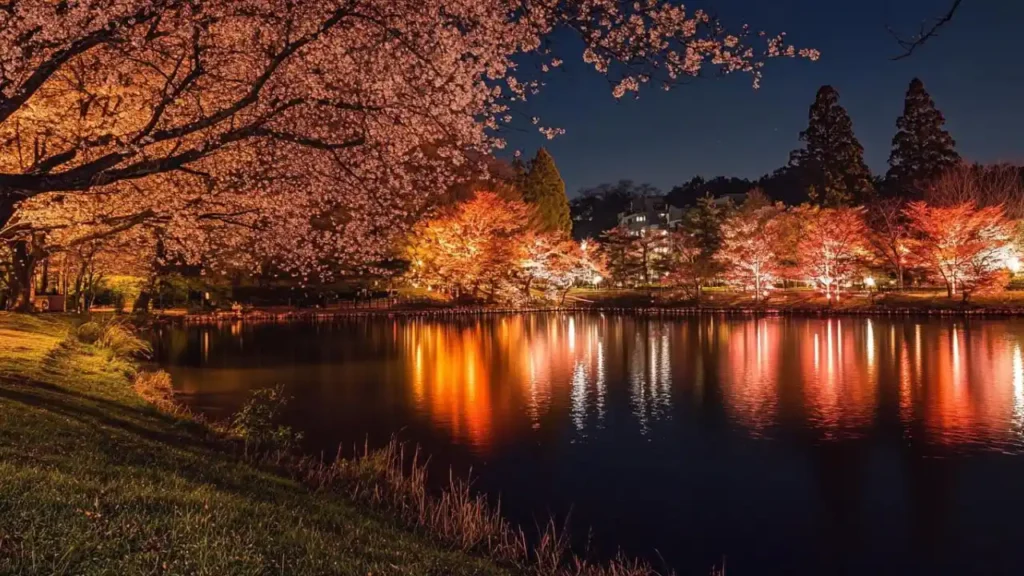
{"type": "Point", "coordinates": [545, 190]}
{"type": "Point", "coordinates": [518, 178]}
{"type": "Point", "coordinates": [831, 163]}
{"type": "Point", "coordinates": [921, 148]}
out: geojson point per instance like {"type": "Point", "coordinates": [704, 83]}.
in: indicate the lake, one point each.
{"type": "Point", "coordinates": [784, 445]}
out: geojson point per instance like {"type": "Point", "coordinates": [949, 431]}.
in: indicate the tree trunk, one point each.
{"type": "Point", "coordinates": [949, 289]}
{"type": "Point", "coordinates": [142, 302]}
{"type": "Point", "coordinates": [899, 278]}
{"type": "Point", "coordinates": [44, 282]}
{"type": "Point", "coordinates": [22, 273]}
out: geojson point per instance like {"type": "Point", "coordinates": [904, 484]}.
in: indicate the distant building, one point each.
{"type": "Point", "coordinates": [650, 213]}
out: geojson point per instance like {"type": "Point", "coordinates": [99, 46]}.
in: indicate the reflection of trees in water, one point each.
{"type": "Point", "coordinates": [949, 383]}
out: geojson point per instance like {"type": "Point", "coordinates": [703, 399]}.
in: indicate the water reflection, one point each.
{"type": "Point", "coordinates": [881, 444]}
{"type": "Point", "coordinates": [954, 383]}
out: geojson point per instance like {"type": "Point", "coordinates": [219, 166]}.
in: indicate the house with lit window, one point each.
{"type": "Point", "coordinates": [650, 215]}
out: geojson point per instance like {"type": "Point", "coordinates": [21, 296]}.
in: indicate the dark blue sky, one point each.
{"type": "Point", "coordinates": [974, 71]}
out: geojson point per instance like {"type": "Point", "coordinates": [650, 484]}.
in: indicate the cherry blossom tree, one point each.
{"type": "Point", "coordinates": [560, 263]}
{"type": "Point", "coordinates": [691, 264]}
{"type": "Point", "coordinates": [296, 127]}
{"type": "Point", "coordinates": [832, 246]}
{"type": "Point", "coordinates": [751, 238]}
{"type": "Point", "coordinates": [968, 248]}
{"type": "Point", "coordinates": [889, 235]}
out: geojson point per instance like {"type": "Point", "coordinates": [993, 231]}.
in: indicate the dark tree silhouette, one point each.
{"type": "Point", "coordinates": [831, 163]}
{"type": "Point", "coordinates": [921, 149]}
{"type": "Point", "coordinates": [689, 193]}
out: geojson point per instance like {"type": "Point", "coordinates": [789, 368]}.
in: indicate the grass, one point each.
{"type": "Point", "coordinates": [94, 480]}
{"type": "Point", "coordinates": [101, 472]}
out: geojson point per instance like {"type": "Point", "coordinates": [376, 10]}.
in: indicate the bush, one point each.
{"type": "Point", "coordinates": [90, 332]}
{"type": "Point", "coordinates": [257, 422]}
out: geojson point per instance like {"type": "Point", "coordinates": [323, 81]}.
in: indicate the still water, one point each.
{"type": "Point", "coordinates": [785, 445]}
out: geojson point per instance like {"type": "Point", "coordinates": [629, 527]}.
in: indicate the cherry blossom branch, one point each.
{"type": "Point", "coordinates": [43, 72]}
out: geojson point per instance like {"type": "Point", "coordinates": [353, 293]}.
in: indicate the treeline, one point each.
{"type": "Point", "coordinates": [824, 220]}
{"type": "Point", "coordinates": [970, 247]}
{"type": "Point", "coordinates": [827, 170]}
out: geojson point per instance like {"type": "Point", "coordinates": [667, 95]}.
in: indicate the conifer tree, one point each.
{"type": "Point", "coordinates": [545, 190]}
{"type": "Point", "coordinates": [831, 164]}
{"type": "Point", "coordinates": [921, 149]}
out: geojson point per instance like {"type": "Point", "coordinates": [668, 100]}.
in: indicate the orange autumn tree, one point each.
{"type": "Point", "coordinates": [832, 244]}
{"type": "Point", "coordinates": [472, 249]}
{"type": "Point", "coordinates": [967, 247]}
{"type": "Point", "coordinates": [751, 239]}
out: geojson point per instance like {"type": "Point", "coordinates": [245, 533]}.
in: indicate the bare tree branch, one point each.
{"type": "Point", "coordinates": [929, 29]}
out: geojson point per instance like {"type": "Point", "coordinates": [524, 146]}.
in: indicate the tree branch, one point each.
{"type": "Point", "coordinates": [926, 33]}
{"type": "Point", "coordinates": [49, 67]}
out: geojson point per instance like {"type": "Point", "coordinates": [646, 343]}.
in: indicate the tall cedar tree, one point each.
{"type": "Point", "coordinates": [831, 163]}
{"type": "Point", "coordinates": [545, 190]}
{"type": "Point", "coordinates": [921, 149]}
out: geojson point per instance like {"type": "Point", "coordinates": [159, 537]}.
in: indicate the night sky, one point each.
{"type": "Point", "coordinates": [974, 71]}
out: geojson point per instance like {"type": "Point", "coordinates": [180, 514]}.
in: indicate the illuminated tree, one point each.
{"type": "Point", "coordinates": [560, 263]}
{"type": "Point", "coordinates": [544, 189]}
{"type": "Point", "coordinates": [694, 246]}
{"type": "Point", "coordinates": [690, 268]}
{"type": "Point", "coordinates": [295, 126]}
{"type": "Point", "coordinates": [968, 248]}
{"type": "Point", "coordinates": [751, 239]}
{"type": "Point", "coordinates": [889, 235]}
{"type": "Point", "coordinates": [472, 248]}
{"type": "Point", "coordinates": [832, 246]}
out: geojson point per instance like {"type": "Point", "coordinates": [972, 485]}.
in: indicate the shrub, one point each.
{"type": "Point", "coordinates": [257, 422]}
{"type": "Point", "coordinates": [90, 332]}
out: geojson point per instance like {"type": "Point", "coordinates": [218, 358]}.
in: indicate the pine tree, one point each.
{"type": "Point", "coordinates": [518, 172]}
{"type": "Point", "coordinates": [921, 148]}
{"type": "Point", "coordinates": [831, 163]}
{"type": "Point", "coordinates": [545, 190]}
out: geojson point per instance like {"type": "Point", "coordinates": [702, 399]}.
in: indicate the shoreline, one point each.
{"type": "Point", "coordinates": [316, 314]}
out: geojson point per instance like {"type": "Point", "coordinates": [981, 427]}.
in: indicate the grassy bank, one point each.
{"type": "Point", "coordinates": [93, 480]}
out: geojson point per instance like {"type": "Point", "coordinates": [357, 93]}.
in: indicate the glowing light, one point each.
{"type": "Point", "coordinates": [869, 282]}
{"type": "Point", "coordinates": [1013, 264]}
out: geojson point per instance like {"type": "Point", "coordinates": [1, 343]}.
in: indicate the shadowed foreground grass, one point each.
{"type": "Point", "coordinates": [93, 480]}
